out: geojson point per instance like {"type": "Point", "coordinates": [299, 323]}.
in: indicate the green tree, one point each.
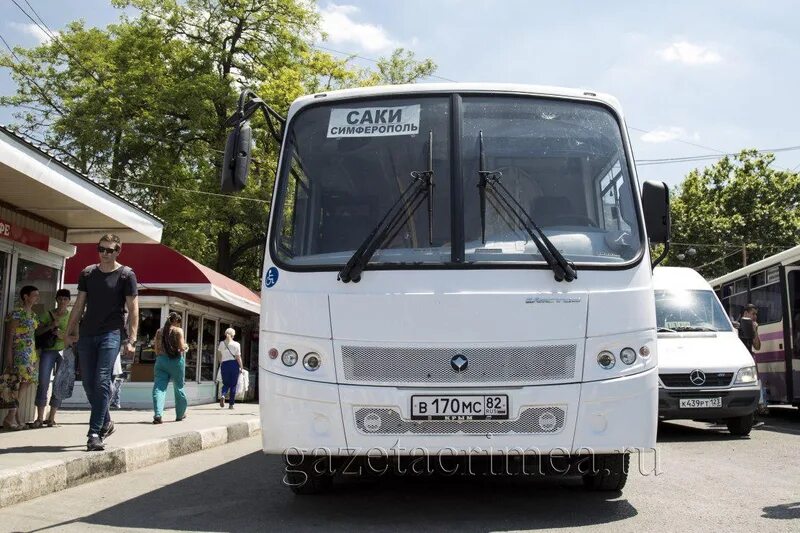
{"type": "Point", "coordinates": [738, 203]}
{"type": "Point", "coordinates": [145, 100]}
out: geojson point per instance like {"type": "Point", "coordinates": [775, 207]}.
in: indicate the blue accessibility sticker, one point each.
{"type": "Point", "coordinates": [271, 277]}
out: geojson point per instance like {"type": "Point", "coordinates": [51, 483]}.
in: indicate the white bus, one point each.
{"type": "Point", "coordinates": [773, 286]}
{"type": "Point", "coordinates": [455, 270]}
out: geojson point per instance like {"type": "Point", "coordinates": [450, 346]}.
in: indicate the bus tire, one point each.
{"type": "Point", "coordinates": [302, 478]}
{"type": "Point", "coordinates": [610, 472]}
{"type": "Point", "coordinates": [740, 425]}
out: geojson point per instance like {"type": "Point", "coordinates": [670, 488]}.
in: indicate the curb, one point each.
{"type": "Point", "coordinates": [45, 477]}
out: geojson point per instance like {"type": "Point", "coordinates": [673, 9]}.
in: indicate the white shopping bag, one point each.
{"type": "Point", "coordinates": [242, 385]}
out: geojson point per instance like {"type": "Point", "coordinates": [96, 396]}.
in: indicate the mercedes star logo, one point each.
{"type": "Point", "coordinates": [697, 377]}
{"type": "Point", "coordinates": [459, 363]}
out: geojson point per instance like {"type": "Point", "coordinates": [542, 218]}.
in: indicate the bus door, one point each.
{"type": "Point", "coordinates": [793, 288]}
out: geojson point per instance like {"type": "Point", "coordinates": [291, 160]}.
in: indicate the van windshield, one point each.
{"type": "Point", "coordinates": [689, 310]}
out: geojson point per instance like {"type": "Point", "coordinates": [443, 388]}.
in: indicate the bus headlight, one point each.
{"type": "Point", "coordinates": [606, 359]}
{"type": "Point", "coordinates": [289, 357]}
{"type": "Point", "coordinates": [746, 376]}
{"type": "Point", "coordinates": [311, 361]}
{"type": "Point", "coordinates": [628, 356]}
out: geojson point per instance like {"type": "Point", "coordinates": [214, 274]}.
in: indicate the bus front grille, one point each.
{"type": "Point", "coordinates": [512, 364]}
{"type": "Point", "coordinates": [532, 420]}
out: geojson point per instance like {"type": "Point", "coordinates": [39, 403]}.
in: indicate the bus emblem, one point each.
{"type": "Point", "coordinates": [459, 363]}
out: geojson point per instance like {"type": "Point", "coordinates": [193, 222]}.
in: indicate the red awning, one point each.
{"type": "Point", "coordinates": [160, 267]}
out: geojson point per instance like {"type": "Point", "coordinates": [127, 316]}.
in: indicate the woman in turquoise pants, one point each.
{"type": "Point", "coordinates": [170, 365]}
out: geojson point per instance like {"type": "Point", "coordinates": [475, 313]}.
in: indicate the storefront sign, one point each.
{"type": "Point", "coordinates": [12, 232]}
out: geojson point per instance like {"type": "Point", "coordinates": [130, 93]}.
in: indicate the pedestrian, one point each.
{"type": "Point", "coordinates": [748, 334]}
{"type": "Point", "coordinates": [105, 290]}
{"type": "Point", "coordinates": [230, 355]}
{"type": "Point", "coordinates": [170, 365]}
{"type": "Point", "coordinates": [52, 329]}
{"type": "Point", "coordinates": [20, 356]}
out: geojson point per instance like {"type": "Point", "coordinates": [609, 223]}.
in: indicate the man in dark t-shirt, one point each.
{"type": "Point", "coordinates": [105, 291]}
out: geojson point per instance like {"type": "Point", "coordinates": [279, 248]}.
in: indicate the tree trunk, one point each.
{"type": "Point", "coordinates": [224, 264]}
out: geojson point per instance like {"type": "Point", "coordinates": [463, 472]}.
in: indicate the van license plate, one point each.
{"type": "Point", "coordinates": [699, 403]}
{"type": "Point", "coordinates": [472, 407]}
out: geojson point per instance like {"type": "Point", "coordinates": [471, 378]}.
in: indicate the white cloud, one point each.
{"type": "Point", "coordinates": [33, 30]}
{"type": "Point", "coordinates": [689, 54]}
{"type": "Point", "coordinates": [672, 133]}
{"type": "Point", "coordinates": [337, 22]}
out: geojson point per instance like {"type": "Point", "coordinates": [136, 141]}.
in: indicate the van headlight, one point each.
{"type": "Point", "coordinates": [746, 376]}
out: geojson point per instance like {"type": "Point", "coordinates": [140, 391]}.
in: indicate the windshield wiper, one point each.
{"type": "Point", "coordinates": [562, 269]}
{"type": "Point", "coordinates": [695, 328]}
{"type": "Point", "coordinates": [398, 214]}
{"type": "Point", "coordinates": [662, 329]}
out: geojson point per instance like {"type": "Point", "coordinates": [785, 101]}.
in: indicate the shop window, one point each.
{"type": "Point", "coordinates": [4, 261]}
{"type": "Point", "coordinates": [208, 349]}
{"type": "Point", "coordinates": [149, 324]}
{"type": "Point", "coordinates": [42, 277]}
{"type": "Point", "coordinates": [193, 340]}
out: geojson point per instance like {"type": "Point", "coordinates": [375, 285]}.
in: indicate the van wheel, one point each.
{"type": "Point", "coordinates": [741, 425]}
{"type": "Point", "coordinates": [610, 472]}
{"type": "Point", "coordinates": [301, 476]}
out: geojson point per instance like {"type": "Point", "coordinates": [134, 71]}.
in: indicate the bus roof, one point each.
{"type": "Point", "coordinates": [786, 257]}
{"type": "Point", "coordinates": [681, 278]}
{"type": "Point", "coordinates": [428, 88]}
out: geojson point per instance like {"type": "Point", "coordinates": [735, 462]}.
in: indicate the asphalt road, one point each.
{"type": "Point", "coordinates": [708, 481]}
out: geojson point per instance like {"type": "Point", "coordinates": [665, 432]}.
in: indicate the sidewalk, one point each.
{"type": "Point", "coordinates": [35, 462]}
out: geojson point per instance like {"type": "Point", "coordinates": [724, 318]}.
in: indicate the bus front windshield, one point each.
{"type": "Point", "coordinates": [562, 162]}
{"type": "Point", "coordinates": [689, 310]}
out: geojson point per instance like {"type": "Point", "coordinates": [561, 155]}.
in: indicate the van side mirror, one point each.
{"type": "Point", "coordinates": [655, 203]}
{"type": "Point", "coordinates": [236, 162]}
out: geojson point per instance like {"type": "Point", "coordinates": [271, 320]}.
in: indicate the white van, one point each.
{"type": "Point", "coordinates": [705, 372]}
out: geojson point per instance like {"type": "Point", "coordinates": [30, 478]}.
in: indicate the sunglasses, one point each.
{"type": "Point", "coordinates": [104, 250]}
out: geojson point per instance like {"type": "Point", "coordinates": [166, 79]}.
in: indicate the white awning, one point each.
{"type": "Point", "coordinates": [36, 182]}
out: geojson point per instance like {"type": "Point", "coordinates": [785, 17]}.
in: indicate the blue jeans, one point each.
{"type": "Point", "coordinates": [96, 355]}
{"type": "Point", "coordinates": [49, 360]}
{"type": "Point", "coordinates": [230, 379]}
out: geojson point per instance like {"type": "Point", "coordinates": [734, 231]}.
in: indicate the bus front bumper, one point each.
{"type": "Point", "coordinates": [608, 416]}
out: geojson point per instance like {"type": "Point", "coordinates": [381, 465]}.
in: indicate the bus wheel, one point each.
{"type": "Point", "coordinates": [741, 425]}
{"type": "Point", "coordinates": [610, 472]}
{"type": "Point", "coordinates": [302, 476]}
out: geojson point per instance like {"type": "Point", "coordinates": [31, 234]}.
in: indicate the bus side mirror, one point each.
{"type": "Point", "coordinates": [655, 204]}
{"type": "Point", "coordinates": [236, 161]}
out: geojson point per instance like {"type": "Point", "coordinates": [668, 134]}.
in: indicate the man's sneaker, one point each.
{"type": "Point", "coordinates": [107, 430]}
{"type": "Point", "coordinates": [95, 444]}
{"type": "Point", "coordinates": [156, 420]}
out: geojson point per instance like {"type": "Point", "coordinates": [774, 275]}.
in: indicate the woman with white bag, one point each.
{"type": "Point", "coordinates": [230, 354]}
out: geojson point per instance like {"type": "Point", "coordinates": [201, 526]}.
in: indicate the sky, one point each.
{"type": "Point", "coordinates": [694, 78]}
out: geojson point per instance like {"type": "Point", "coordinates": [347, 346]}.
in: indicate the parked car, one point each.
{"type": "Point", "coordinates": [705, 372]}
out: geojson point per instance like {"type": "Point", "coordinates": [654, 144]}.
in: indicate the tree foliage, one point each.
{"type": "Point", "coordinates": [739, 202]}
{"type": "Point", "coordinates": [141, 105]}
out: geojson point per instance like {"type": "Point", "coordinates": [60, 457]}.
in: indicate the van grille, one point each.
{"type": "Point", "coordinates": [713, 379]}
{"type": "Point", "coordinates": [523, 364]}
{"type": "Point", "coordinates": [532, 420]}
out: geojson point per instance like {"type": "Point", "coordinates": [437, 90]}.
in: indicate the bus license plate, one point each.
{"type": "Point", "coordinates": [473, 407]}
{"type": "Point", "coordinates": [699, 403]}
